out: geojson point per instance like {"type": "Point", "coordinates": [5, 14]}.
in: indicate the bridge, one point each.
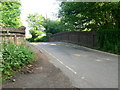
{"type": "Point", "coordinates": [85, 67]}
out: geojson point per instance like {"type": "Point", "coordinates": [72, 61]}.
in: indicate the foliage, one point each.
{"type": "Point", "coordinates": [107, 42]}
{"type": "Point", "coordinates": [35, 22]}
{"type": "Point", "coordinates": [90, 16]}
{"type": "Point", "coordinates": [100, 16]}
{"type": "Point", "coordinates": [41, 39]}
{"type": "Point", "coordinates": [52, 26]}
{"type": "Point", "coordinates": [10, 14]}
{"type": "Point", "coordinates": [39, 25]}
{"type": "Point", "coordinates": [14, 57]}
{"type": "Point", "coordinates": [35, 33]}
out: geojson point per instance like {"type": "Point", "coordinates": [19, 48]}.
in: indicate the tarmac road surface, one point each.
{"type": "Point", "coordinates": [85, 68]}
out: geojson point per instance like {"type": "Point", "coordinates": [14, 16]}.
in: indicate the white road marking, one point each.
{"type": "Point", "coordinates": [60, 61]}
{"type": "Point", "coordinates": [81, 77]}
{"type": "Point", "coordinates": [78, 75]}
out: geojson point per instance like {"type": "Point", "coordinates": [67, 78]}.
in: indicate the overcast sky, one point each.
{"type": "Point", "coordinates": [43, 7]}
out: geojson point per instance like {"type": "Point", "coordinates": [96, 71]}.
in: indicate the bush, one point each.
{"type": "Point", "coordinates": [109, 40]}
{"type": "Point", "coordinates": [30, 39]}
{"type": "Point", "coordinates": [42, 39]}
{"type": "Point", "coordinates": [14, 57]}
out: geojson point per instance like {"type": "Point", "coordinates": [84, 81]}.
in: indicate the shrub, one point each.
{"type": "Point", "coordinates": [14, 57]}
{"type": "Point", "coordinates": [42, 39]}
{"type": "Point", "coordinates": [109, 40]}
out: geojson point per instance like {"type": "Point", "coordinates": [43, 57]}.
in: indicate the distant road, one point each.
{"type": "Point", "coordinates": [85, 68]}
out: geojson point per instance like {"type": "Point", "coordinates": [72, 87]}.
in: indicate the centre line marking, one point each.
{"type": "Point", "coordinates": [59, 61]}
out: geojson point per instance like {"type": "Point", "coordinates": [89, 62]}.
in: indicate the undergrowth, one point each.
{"type": "Point", "coordinates": [14, 57]}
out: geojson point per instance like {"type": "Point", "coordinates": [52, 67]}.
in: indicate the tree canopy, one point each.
{"type": "Point", "coordinates": [53, 26]}
{"type": "Point", "coordinates": [90, 16]}
{"type": "Point", "coordinates": [39, 25]}
{"type": "Point", "coordinates": [10, 14]}
{"type": "Point", "coordinates": [35, 22]}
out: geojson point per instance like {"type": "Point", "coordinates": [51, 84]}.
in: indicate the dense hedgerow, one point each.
{"type": "Point", "coordinates": [14, 57]}
{"type": "Point", "coordinates": [109, 40]}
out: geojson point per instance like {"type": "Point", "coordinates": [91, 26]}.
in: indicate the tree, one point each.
{"type": "Point", "coordinates": [35, 22]}
{"type": "Point", "coordinates": [10, 14]}
{"type": "Point", "coordinates": [39, 23]}
{"type": "Point", "coordinates": [52, 26]}
{"type": "Point", "coordinates": [90, 16]}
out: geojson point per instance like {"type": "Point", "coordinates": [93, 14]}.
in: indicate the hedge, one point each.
{"type": "Point", "coordinates": [109, 40]}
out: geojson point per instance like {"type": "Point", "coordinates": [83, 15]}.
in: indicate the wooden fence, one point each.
{"type": "Point", "coordinates": [88, 39]}
{"type": "Point", "coordinates": [12, 35]}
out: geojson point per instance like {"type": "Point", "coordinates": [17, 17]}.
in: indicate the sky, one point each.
{"type": "Point", "coordinates": [45, 8]}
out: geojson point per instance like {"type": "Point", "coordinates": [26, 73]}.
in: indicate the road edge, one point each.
{"type": "Point", "coordinates": [94, 50]}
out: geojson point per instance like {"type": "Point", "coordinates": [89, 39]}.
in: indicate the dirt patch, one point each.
{"type": "Point", "coordinates": [40, 74]}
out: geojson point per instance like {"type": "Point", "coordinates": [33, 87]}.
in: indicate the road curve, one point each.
{"type": "Point", "coordinates": [84, 67]}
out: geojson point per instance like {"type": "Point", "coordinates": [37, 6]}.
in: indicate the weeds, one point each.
{"type": "Point", "coordinates": [14, 57]}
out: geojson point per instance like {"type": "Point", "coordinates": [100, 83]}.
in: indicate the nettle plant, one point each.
{"type": "Point", "coordinates": [14, 57]}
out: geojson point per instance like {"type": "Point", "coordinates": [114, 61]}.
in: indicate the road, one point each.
{"type": "Point", "coordinates": [85, 68]}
